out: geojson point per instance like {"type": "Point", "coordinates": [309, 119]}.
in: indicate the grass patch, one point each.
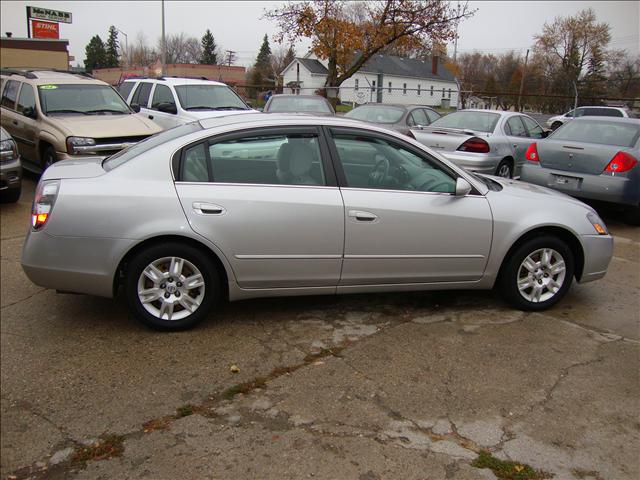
{"type": "Point", "coordinates": [155, 424]}
{"type": "Point", "coordinates": [343, 108]}
{"type": "Point", "coordinates": [244, 388]}
{"type": "Point", "coordinates": [107, 447]}
{"type": "Point", "coordinates": [507, 470]}
{"type": "Point", "coordinates": [185, 411]}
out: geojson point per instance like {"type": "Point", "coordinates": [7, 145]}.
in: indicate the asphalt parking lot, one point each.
{"type": "Point", "coordinates": [364, 387]}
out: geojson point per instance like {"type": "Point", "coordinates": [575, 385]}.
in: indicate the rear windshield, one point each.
{"type": "Point", "coordinates": [477, 121]}
{"type": "Point", "coordinates": [298, 104]}
{"type": "Point", "coordinates": [139, 148]}
{"type": "Point", "coordinates": [209, 97]}
{"type": "Point", "coordinates": [599, 131]}
{"type": "Point", "coordinates": [376, 114]}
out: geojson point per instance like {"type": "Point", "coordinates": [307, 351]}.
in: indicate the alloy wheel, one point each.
{"type": "Point", "coordinates": [171, 288]}
{"type": "Point", "coordinates": [541, 275]}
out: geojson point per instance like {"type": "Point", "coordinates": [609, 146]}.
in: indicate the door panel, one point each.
{"type": "Point", "coordinates": [417, 237]}
{"type": "Point", "coordinates": [273, 236]}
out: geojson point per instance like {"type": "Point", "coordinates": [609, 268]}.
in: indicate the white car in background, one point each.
{"type": "Point", "coordinates": [559, 120]}
{"type": "Point", "coordinates": [174, 101]}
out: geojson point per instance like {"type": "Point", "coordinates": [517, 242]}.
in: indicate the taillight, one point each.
{"type": "Point", "coordinates": [475, 145]}
{"type": "Point", "coordinates": [532, 153]}
{"type": "Point", "coordinates": [45, 197]}
{"type": "Point", "coordinates": [621, 162]}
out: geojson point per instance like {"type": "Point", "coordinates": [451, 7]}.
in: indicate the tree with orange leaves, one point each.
{"type": "Point", "coordinates": [347, 34]}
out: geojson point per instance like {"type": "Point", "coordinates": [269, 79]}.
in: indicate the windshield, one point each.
{"type": "Point", "coordinates": [81, 99]}
{"type": "Point", "coordinates": [376, 114]}
{"type": "Point", "coordinates": [209, 97]}
{"type": "Point", "coordinates": [139, 148]}
{"type": "Point", "coordinates": [602, 132]}
{"type": "Point", "coordinates": [477, 121]}
{"type": "Point", "coordinates": [298, 104]}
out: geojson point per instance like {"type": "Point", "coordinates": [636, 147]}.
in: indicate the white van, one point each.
{"type": "Point", "coordinates": [173, 101]}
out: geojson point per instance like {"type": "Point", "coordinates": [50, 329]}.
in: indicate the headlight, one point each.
{"type": "Point", "coordinates": [597, 223]}
{"type": "Point", "coordinates": [8, 150]}
{"type": "Point", "coordinates": [77, 145]}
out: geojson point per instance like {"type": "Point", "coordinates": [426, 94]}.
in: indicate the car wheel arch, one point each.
{"type": "Point", "coordinates": [146, 243]}
{"type": "Point", "coordinates": [564, 234]}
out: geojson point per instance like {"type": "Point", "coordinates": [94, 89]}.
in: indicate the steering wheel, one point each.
{"type": "Point", "coordinates": [380, 172]}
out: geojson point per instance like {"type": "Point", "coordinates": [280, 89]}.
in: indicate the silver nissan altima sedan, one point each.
{"type": "Point", "coordinates": [274, 205]}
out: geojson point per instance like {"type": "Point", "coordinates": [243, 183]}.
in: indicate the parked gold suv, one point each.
{"type": "Point", "coordinates": [57, 115]}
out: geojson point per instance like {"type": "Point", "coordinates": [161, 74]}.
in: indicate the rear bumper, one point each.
{"type": "Point", "coordinates": [475, 162]}
{"type": "Point", "coordinates": [598, 250]}
{"type": "Point", "coordinates": [614, 189]}
{"type": "Point", "coordinates": [73, 264]}
{"type": "Point", "coordinates": [10, 175]}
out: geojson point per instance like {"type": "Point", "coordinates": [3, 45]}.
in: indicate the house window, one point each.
{"type": "Point", "coordinates": [432, 90]}
{"type": "Point", "coordinates": [443, 93]}
{"type": "Point", "coordinates": [373, 86]}
{"type": "Point", "coordinates": [389, 87]}
{"type": "Point", "coordinates": [357, 83]}
{"type": "Point", "coordinates": [449, 93]}
{"type": "Point", "coordinates": [418, 89]}
{"type": "Point", "coordinates": [404, 88]}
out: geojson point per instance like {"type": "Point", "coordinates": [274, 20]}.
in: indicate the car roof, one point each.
{"type": "Point", "coordinates": [176, 81]}
{"type": "Point", "coordinates": [255, 119]}
{"type": "Point", "coordinates": [396, 105]}
{"type": "Point", "coordinates": [590, 118]}
{"type": "Point", "coordinates": [43, 77]}
{"type": "Point", "coordinates": [290, 95]}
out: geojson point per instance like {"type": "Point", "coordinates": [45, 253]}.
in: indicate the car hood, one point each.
{"type": "Point", "coordinates": [106, 126]}
{"type": "Point", "coordinates": [202, 114]}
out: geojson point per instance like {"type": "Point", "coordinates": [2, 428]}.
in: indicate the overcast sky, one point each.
{"type": "Point", "coordinates": [495, 28]}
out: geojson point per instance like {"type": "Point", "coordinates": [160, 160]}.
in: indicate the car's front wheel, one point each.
{"type": "Point", "coordinates": [538, 274]}
{"type": "Point", "coordinates": [171, 286]}
{"type": "Point", "coordinates": [504, 169]}
{"type": "Point", "coordinates": [556, 125]}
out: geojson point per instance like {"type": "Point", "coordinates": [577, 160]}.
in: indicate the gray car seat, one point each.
{"type": "Point", "coordinates": [295, 159]}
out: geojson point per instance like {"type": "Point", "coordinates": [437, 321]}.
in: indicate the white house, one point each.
{"type": "Point", "coordinates": [383, 78]}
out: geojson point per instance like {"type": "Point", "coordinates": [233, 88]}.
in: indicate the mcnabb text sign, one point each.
{"type": "Point", "coordinates": [48, 14]}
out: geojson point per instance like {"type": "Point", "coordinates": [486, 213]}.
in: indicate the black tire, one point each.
{"type": "Point", "coordinates": [12, 195]}
{"type": "Point", "coordinates": [510, 274]}
{"type": "Point", "coordinates": [555, 125]}
{"type": "Point", "coordinates": [173, 249]}
{"type": "Point", "coordinates": [49, 157]}
{"type": "Point", "coordinates": [632, 216]}
{"type": "Point", "coordinates": [504, 169]}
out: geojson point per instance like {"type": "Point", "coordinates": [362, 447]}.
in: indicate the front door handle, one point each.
{"type": "Point", "coordinates": [203, 208]}
{"type": "Point", "coordinates": [150, 117]}
{"type": "Point", "coordinates": [363, 216]}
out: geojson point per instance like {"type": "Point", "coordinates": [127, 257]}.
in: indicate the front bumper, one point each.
{"type": "Point", "coordinates": [73, 264]}
{"type": "Point", "coordinates": [475, 162]}
{"type": "Point", "coordinates": [624, 190]}
{"type": "Point", "coordinates": [598, 250]}
{"type": "Point", "coordinates": [10, 174]}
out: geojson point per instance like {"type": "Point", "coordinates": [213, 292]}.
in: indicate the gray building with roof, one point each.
{"type": "Point", "coordinates": [383, 78]}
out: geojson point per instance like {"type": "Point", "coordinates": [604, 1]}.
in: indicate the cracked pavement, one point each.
{"type": "Point", "coordinates": [355, 387]}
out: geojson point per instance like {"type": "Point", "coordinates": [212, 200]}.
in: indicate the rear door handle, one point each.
{"type": "Point", "coordinates": [203, 208]}
{"type": "Point", "coordinates": [15, 122]}
{"type": "Point", "coordinates": [150, 117]}
{"type": "Point", "coordinates": [363, 216]}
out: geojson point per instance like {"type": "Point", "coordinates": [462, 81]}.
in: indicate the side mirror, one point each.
{"type": "Point", "coordinates": [30, 112]}
{"type": "Point", "coordinates": [462, 187]}
{"type": "Point", "coordinates": [167, 107]}
{"type": "Point", "coordinates": [135, 107]}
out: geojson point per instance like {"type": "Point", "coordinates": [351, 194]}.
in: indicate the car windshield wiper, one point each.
{"type": "Point", "coordinates": [106, 110]}
{"type": "Point", "coordinates": [230, 107]}
{"type": "Point", "coordinates": [66, 110]}
{"type": "Point", "coordinates": [207, 107]}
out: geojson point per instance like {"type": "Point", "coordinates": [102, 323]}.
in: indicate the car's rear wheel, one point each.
{"type": "Point", "coordinates": [11, 195]}
{"type": "Point", "coordinates": [632, 215]}
{"type": "Point", "coordinates": [538, 274]}
{"type": "Point", "coordinates": [504, 169]}
{"type": "Point", "coordinates": [556, 125]}
{"type": "Point", "coordinates": [171, 286]}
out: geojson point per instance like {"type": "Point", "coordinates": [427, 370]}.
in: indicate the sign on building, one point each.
{"type": "Point", "coordinates": [48, 14]}
{"type": "Point", "coordinates": [42, 29]}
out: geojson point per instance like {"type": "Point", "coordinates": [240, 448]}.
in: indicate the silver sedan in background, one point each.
{"type": "Point", "coordinates": [263, 205]}
{"type": "Point", "coordinates": [594, 158]}
{"type": "Point", "coordinates": [485, 141]}
{"type": "Point", "coordinates": [400, 118]}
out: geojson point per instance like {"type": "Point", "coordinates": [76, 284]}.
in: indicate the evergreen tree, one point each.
{"type": "Point", "coordinates": [209, 55]}
{"type": "Point", "coordinates": [95, 54]}
{"type": "Point", "coordinates": [112, 57]}
{"type": "Point", "coordinates": [289, 57]}
{"type": "Point", "coordinates": [263, 61]}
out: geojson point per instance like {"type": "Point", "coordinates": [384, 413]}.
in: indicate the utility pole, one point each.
{"type": "Point", "coordinates": [163, 52]}
{"type": "Point", "coordinates": [455, 44]}
{"type": "Point", "coordinates": [230, 56]}
{"type": "Point", "coordinates": [524, 72]}
{"type": "Point", "coordinates": [126, 48]}
{"type": "Point", "coordinates": [575, 101]}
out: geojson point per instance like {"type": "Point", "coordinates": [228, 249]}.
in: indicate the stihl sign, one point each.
{"type": "Point", "coordinates": [42, 29]}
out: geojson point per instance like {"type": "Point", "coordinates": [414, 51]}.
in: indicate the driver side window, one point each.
{"type": "Point", "coordinates": [373, 162]}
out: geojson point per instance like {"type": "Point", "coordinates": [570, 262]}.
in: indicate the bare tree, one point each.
{"type": "Point", "coordinates": [181, 49]}
{"type": "Point", "coordinates": [140, 54]}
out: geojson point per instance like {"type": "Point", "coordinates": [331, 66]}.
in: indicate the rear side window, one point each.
{"type": "Point", "coordinates": [141, 95]}
{"type": "Point", "coordinates": [433, 116]}
{"type": "Point", "coordinates": [27, 98]}
{"type": "Point", "coordinates": [535, 130]}
{"type": "Point", "coordinates": [418, 117]}
{"type": "Point", "coordinates": [10, 94]}
{"type": "Point", "coordinates": [515, 127]}
{"type": "Point", "coordinates": [125, 88]}
{"type": "Point", "coordinates": [599, 131]}
{"type": "Point", "coordinates": [290, 159]}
